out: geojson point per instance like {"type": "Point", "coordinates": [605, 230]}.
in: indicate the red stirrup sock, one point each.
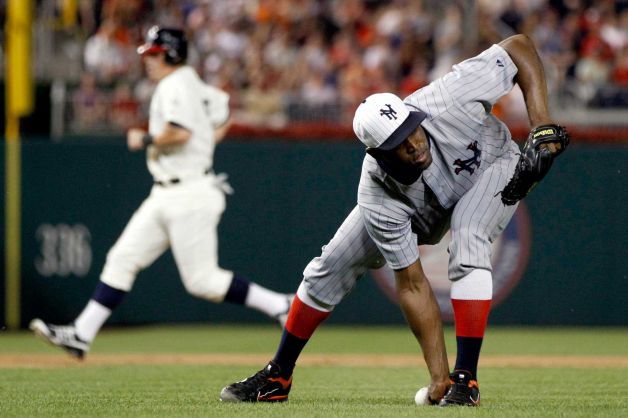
{"type": "Point", "coordinates": [303, 319]}
{"type": "Point", "coordinates": [302, 322]}
{"type": "Point", "coordinates": [470, 317]}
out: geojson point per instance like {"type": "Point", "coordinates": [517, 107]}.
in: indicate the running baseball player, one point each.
{"type": "Point", "coordinates": [435, 161]}
{"type": "Point", "coordinates": [187, 119]}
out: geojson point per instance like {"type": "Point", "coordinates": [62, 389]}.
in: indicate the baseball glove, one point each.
{"type": "Point", "coordinates": [534, 162]}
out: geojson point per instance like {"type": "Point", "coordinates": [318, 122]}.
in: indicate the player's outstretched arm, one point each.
{"type": "Point", "coordinates": [531, 79]}
{"type": "Point", "coordinates": [547, 139]}
{"type": "Point", "coordinates": [172, 134]}
{"type": "Point", "coordinates": [421, 310]}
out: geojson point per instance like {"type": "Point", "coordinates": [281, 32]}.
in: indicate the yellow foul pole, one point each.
{"type": "Point", "coordinates": [18, 102]}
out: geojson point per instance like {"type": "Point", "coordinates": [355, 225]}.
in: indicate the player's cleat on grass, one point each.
{"type": "Point", "coordinates": [63, 336]}
{"type": "Point", "coordinates": [267, 385]}
{"type": "Point", "coordinates": [464, 390]}
{"type": "Point", "coordinates": [282, 317]}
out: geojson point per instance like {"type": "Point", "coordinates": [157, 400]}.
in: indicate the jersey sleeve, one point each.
{"type": "Point", "coordinates": [392, 234]}
{"type": "Point", "coordinates": [175, 106]}
{"type": "Point", "coordinates": [218, 105]}
{"type": "Point", "coordinates": [386, 220]}
{"type": "Point", "coordinates": [482, 79]}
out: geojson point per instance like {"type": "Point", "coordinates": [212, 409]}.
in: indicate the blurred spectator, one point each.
{"type": "Point", "coordinates": [124, 110]}
{"type": "Point", "coordinates": [88, 105]}
{"type": "Point", "coordinates": [279, 53]}
{"type": "Point", "coordinates": [447, 42]}
{"type": "Point", "coordinates": [315, 91]}
{"type": "Point", "coordinates": [620, 69]}
{"type": "Point", "coordinates": [316, 100]}
{"type": "Point", "coordinates": [378, 53]}
{"type": "Point", "coordinates": [594, 66]}
{"type": "Point", "coordinates": [353, 81]}
{"type": "Point", "coordinates": [279, 59]}
{"type": "Point", "coordinates": [168, 13]}
{"type": "Point", "coordinates": [416, 79]}
{"type": "Point", "coordinates": [110, 52]}
{"type": "Point", "coordinates": [343, 49]}
{"type": "Point", "coordinates": [262, 104]}
{"type": "Point", "coordinates": [142, 93]}
{"type": "Point", "coordinates": [314, 52]}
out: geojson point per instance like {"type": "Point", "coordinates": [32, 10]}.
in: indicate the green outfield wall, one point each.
{"type": "Point", "coordinates": [290, 198]}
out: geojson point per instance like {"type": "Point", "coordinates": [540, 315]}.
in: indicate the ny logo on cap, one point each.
{"type": "Point", "coordinates": [390, 113]}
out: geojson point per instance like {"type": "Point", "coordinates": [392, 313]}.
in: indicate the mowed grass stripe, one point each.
{"type": "Point", "coordinates": [333, 339]}
{"type": "Point", "coordinates": [322, 391]}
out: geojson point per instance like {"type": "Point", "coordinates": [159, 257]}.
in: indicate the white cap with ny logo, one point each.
{"type": "Point", "coordinates": [383, 121]}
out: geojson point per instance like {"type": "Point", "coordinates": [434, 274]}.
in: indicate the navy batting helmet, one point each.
{"type": "Point", "coordinates": [170, 41]}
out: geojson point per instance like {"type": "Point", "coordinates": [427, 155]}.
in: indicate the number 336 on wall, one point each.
{"type": "Point", "coordinates": [63, 250]}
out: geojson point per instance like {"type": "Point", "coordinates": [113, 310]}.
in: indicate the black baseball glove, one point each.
{"type": "Point", "coordinates": [535, 161]}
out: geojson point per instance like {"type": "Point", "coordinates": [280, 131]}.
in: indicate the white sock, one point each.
{"type": "Point", "coordinates": [91, 320]}
{"type": "Point", "coordinates": [265, 300]}
{"type": "Point", "coordinates": [477, 285]}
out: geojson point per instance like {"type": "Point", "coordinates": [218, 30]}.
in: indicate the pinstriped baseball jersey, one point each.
{"type": "Point", "coordinates": [465, 141]}
{"type": "Point", "coordinates": [473, 157]}
{"type": "Point", "coordinates": [466, 137]}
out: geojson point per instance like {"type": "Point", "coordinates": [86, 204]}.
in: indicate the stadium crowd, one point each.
{"type": "Point", "coordinates": [302, 60]}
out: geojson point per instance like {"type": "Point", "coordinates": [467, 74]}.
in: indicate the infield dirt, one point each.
{"type": "Point", "coordinates": [352, 360]}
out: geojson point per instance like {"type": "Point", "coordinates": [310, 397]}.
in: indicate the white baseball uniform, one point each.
{"type": "Point", "coordinates": [473, 158]}
{"type": "Point", "coordinates": [185, 204]}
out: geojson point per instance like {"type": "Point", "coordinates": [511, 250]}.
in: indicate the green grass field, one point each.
{"type": "Point", "coordinates": [345, 372]}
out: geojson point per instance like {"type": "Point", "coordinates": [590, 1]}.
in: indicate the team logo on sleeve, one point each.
{"type": "Point", "coordinates": [390, 113]}
{"type": "Point", "coordinates": [468, 164]}
{"type": "Point", "coordinates": [509, 258]}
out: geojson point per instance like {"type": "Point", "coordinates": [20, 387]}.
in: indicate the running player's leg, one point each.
{"type": "Point", "coordinates": [192, 227]}
{"type": "Point", "coordinates": [478, 218]}
{"type": "Point", "coordinates": [141, 243]}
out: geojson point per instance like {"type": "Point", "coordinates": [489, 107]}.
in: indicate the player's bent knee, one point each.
{"type": "Point", "coordinates": [119, 271]}
{"type": "Point", "coordinates": [202, 289]}
{"type": "Point", "coordinates": [211, 286]}
{"type": "Point", "coordinates": [469, 250]}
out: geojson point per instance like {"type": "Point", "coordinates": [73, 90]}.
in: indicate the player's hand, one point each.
{"type": "Point", "coordinates": [543, 145]}
{"type": "Point", "coordinates": [549, 136]}
{"type": "Point", "coordinates": [553, 147]}
{"type": "Point", "coordinates": [134, 139]}
{"type": "Point", "coordinates": [437, 389]}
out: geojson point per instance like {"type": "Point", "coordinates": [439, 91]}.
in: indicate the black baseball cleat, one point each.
{"type": "Point", "coordinates": [267, 385]}
{"type": "Point", "coordinates": [63, 336]}
{"type": "Point", "coordinates": [464, 390]}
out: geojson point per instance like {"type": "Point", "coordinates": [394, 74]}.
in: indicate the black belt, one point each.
{"type": "Point", "coordinates": [176, 180]}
